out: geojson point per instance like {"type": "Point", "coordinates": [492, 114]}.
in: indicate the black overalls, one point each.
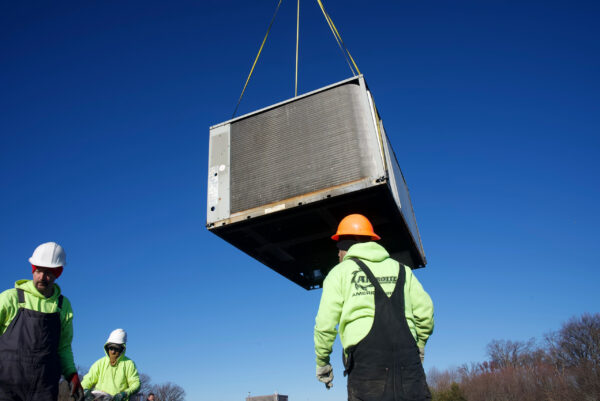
{"type": "Point", "coordinates": [29, 362]}
{"type": "Point", "coordinates": [385, 365]}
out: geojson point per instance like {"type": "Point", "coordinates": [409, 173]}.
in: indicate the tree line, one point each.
{"type": "Point", "coordinates": [563, 366]}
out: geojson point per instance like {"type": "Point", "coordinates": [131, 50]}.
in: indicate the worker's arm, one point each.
{"type": "Point", "coordinates": [133, 378]}
{"type": "Point", "coordinates": [422, 309]}
{"type": "Point", "coordinates": [91, 378]}
{"type": "Point", "coordinates": [65, 352]}
{"type": "Point", "coordinates": [9, 303]}
{"type": "Point", "coordinates": [328, 317]}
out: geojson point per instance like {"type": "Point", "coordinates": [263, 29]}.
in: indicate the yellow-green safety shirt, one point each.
{"type": "Point", "coordinates": [113, 379]}
{"type": "Point", "coordinates": [34, 300]}
{"type": "Point", "coordinates": [348, 302]}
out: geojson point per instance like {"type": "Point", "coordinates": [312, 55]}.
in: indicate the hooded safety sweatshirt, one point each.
{"type": "Point", "coordinates": [348, 300]}
{"type": "Point", "coordinates": [113, 379]}
{"type": "Point", "coordinates": [36, 301]}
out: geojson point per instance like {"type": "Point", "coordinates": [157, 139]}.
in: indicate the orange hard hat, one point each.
{"type": "Point", "coordinates": [355, 224]}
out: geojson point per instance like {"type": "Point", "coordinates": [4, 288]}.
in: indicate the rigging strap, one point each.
{"type": "Point", "coordinates": [338, 39]}
{"type": "Point", "coordinates": [256, 59]}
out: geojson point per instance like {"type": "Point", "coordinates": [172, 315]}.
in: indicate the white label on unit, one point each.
{"type": "Point", "coordinates": [213, 186]}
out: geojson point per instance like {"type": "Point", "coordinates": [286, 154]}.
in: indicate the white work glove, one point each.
{"type": "Point", "coordinates": [325, 375]}
{"type": "Point", "coordinates": [422, 353]}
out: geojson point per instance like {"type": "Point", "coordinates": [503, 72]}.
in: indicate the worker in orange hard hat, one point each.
{"type": "Point", "coordinates": [383, 351]}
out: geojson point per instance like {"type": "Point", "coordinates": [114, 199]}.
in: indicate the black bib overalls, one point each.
{"type": "Point", "coordinates": [29, 362]}
{"type": "Point", "coordinates": [385, 365]}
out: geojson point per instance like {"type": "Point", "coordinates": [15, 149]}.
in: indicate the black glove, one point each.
{"type": "Point", "coordinates": [120, 397]}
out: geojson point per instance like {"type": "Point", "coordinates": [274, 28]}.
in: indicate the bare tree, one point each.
{"type": "Point", "coordinates": [168, 392]}
{"type": "Point", "coordinates": [145, 384]}
{"type": "Point", "coordinates": [503, 353]}
{"type": "Point", "coordinates": [442, 381]}
{"type": "Point", "coordinates": [577, 343]}
{"type": "Point", "coordinates": [566, 368]}
{"type": "Point", "coordinates": [575, 351]}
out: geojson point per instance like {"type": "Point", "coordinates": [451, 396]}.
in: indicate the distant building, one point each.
{"type": "Point", "coordinates": [272, 397]}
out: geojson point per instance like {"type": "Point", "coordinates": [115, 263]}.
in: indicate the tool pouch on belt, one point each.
{"type": "Point", "coordinates": [348, 360]}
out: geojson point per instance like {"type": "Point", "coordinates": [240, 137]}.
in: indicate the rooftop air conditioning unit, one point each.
{"type": "Point", "coordinates": [281, 178]}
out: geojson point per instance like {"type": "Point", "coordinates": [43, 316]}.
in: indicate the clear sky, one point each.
{"type": "Point", "coordinates": [493, 109]}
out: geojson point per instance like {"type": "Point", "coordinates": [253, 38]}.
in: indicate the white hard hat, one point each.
{"type": "Point", "coordinates": [49, 254]}
{"type": "Point", "coordinates": [118, 336]}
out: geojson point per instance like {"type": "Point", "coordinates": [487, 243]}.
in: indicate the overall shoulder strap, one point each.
{"type": "Point", "coordinates": [368, 273]}
{"type": "Point", "coordinates": [401, 280]}
{"type": "Point", "coordinates": [21, 295]}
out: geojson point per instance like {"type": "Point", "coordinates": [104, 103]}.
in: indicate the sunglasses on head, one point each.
{"type": "Point", "coordinates": [116, 349]}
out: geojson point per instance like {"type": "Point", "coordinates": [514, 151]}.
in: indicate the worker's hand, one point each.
{"type": "Point", "coordinates": [75, 385]}
{"type": "Point", "coordinates": [422, 353]}
{"type": "Point", "coordinates": [325, 375]}
{"type": "Point", "coordinates": [87, 395]}
{"type": "Point", "coordinates": [120, 397]}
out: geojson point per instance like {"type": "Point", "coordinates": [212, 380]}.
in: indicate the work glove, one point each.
{"type": "Point", "coordinates": [120, 397]}
{"type": "Point", "coordinates": [325, 375]}
{"type": "Point", "coordinates": [76, 389]}
{"type": "Point", "coordinates": [422, 353]}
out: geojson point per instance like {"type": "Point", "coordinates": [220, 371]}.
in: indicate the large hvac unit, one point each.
{"type": "Point", "coordinates": [281, 178]}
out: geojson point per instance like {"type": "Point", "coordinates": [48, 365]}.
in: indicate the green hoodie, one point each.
{"type": "Point", "coordinates": [34, 300]}
{"type": "Point", "coordinates": [348, 300]}
{"type": "Point", "coordinates": [113, 379]}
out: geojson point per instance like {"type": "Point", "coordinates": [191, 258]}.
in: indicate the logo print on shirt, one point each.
{"type": "Point", "coordinates": [361, 282]}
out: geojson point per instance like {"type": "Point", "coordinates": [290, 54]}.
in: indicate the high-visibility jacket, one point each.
{"type": "Point", "coordinates": [113, 379]}
{"type": "Point", "coordinates": [36, 301]}
{"type": "Point", "coordinates": [348, 301]}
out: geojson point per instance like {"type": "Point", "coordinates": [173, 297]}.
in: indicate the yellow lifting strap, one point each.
{"type": "Point", "coordinates": [297, 40]}
{"type": "Point", "coordinates": [338, 39]}
{"type": "Point", "coordinates": [256, 59]}
{"type": "Point", "coordinates": [336, 35]}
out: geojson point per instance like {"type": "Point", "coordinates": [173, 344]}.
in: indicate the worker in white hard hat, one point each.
{"type": "Point", "coordinates": [113, 375]}
{"type": "Point", "coordinates": [384, 317]}
{"type": "Point", "coordinates": [36, 330]}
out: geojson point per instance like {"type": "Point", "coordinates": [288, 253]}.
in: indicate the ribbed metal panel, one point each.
{"type": "Point", "coordinates": [313, 143]}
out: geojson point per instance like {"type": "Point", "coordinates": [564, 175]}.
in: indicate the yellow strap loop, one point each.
{"type": "Point", "coordinates": [256, 59]}
{"type": "Point", "coordinates": [338, 39]}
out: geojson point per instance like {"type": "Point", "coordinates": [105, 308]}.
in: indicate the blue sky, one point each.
{"type": "Point", "coordinates": [493, 109]}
